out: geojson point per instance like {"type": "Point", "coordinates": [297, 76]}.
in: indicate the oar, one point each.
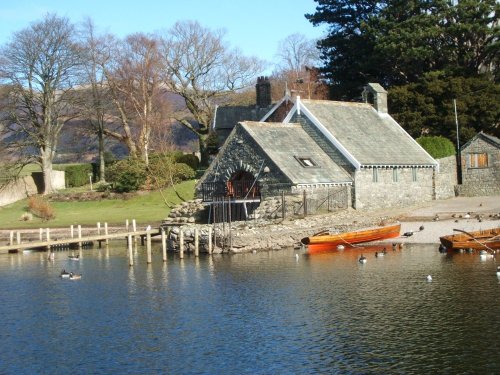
{"type": "Point", "coordinates": [475, 239]}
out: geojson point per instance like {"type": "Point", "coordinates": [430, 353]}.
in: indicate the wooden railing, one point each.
{"type": "Point", "coordinates": [233, 189]}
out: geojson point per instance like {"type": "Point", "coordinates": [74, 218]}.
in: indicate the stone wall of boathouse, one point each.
{"type": "Point", "coordinates": [392, 187]}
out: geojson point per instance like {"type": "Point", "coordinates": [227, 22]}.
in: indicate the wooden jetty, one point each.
{"type": "Point", "coordinates": [46, 245]}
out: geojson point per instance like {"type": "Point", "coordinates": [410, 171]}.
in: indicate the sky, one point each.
{"type": "Point", "coordinates": [256, 27]}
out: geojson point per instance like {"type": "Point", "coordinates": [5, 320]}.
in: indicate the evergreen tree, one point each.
{"type": "Point", "coordinates": [425, 52]}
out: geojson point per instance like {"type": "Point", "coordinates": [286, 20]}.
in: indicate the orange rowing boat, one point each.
{"type": "Point", "coordinates": [327, 241]}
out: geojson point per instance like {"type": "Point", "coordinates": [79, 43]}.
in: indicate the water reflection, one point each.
{"type": "Point", "coordinates": [268, 312]}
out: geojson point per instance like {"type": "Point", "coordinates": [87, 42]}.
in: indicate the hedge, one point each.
{"type": "Point", "coordinates": [76, 174]}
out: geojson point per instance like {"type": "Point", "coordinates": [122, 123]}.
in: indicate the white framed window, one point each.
{"type": "Point", "coordinates": [478, 160]}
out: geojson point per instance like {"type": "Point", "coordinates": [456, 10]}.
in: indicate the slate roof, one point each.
{"type": "Point", "coordinates": [372, 138]}
{"type": "Point", "coordinates": [489, 138]}
{"type": "Point", "coordinates": [283, 143]}
{"type": "Point", "coordinates": [228, 117]}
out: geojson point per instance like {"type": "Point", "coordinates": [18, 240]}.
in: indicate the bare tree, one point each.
{"type": "Point", "coordinates": [295, 52]}
{"type": "Point", "coordinates": [41, 65]}
{"type": "Point", "coordinates": [133, 78]}
{"type": "Point", "coordinates": [202, 70]}
{"type": "Point", "coordinates": [96, 107]}
{"type": "Point", "coordinates": [295, 70]}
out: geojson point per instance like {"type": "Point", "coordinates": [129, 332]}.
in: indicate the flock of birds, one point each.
{"type": "Point", "coordinates": [65, 274]}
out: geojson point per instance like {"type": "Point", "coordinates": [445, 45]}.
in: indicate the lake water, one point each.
{"type": "Point", "coordinates": [263, 313]}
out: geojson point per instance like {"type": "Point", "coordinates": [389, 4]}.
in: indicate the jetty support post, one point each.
{"type": "Point", "coordinates": [196, 243]}
{"type": "Point", "coordinates": [148, 246]}
{"type": "Point", "coordinates": [304, 203]}
{"type": "Point", "coordinates": [47, 234]}
{"type": "Point", "coordinates": [18, 237]}
{"type": "Point", "coordinates": [181, 243]}
{"type": "Point", "coordinates": [72, 231]}
{"type": "Point", "coordinates": [41, 234]}
{"type": "Point", "coordinates": [99, 241]}
{"type": "Point", "coordinates": [163, 244]}
{"type": "Point", "coordinates": [106, 240]}
{"type": "Point", "coordinates": [210, 240]}
{"type": "Point", "coordinates": [130, 252]}
{"type": "Point", "coordinates": [134, 229]}
{"type": "Point", "coordinates": [283, 207]}
{"type": "Point", "coordinates": [79, 236]}
{"type": "Point", "coordinates": [11, 238]}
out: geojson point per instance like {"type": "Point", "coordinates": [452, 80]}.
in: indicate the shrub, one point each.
{"type": "Point", "coordinates": [182, 172]}
{"type": "Point", "coordinates": [437, 146]}
{"type": "Point", "coordinates": [39, 206]}
{"type": "Point", "coordinates": [127, 175]}
{"type": "Point", "coordinates": [103, 187]}
{"type": "Point", "coordinates": [189, 159]}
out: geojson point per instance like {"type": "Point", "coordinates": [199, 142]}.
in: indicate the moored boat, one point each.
{"type": "Point", "coordinates": [327, 241]}
{"type": "Point", "coordinates": [486, 239]}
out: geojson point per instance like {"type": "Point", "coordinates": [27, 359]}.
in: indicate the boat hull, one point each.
{"type": "Point", "coordinates": [478, 240]}
{"type": "Point", "coordinates": [328, 242]}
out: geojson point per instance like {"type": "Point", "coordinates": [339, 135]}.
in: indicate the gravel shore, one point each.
{"type": "Point", "coordinates": [438, 218]}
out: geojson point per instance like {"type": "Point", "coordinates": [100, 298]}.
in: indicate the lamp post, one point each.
{"type": "Point", "coordinates": [459, 158]}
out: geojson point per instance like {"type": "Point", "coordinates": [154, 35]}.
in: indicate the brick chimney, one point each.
{"type": "Point", "coordinates": [263, 89]}
{"type": "Point", "coordinates": [375, 94]}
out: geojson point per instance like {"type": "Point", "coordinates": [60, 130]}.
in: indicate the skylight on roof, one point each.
{"type": "Point", "coordinates": [306, 161]}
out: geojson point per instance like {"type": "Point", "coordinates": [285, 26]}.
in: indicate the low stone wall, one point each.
{"type": "Point", "coordinates": [28, 185]}
{"type": "Point", "coordinates": [17, 190]}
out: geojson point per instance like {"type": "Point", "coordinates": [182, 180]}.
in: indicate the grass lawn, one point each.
{"type": "Point", "coordinates": [145, 208]}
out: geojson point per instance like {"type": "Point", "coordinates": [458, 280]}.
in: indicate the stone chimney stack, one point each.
{"type": "Point", "coordinates": [263, 88]}
{"type": "Point", "coordinates": [376, 95]}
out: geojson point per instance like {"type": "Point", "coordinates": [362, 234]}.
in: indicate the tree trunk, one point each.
{"type": "Point", "coordinates": [102, 166]}
{"type": "Point", "coordinates": [46, 156]}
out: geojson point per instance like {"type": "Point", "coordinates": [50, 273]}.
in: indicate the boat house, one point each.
{"type": "Point", "coordinates": [309, 145]}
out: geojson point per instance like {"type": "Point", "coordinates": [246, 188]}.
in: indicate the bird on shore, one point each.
{"type": "Point", "coordinates": [148, 227]}
{"type": "Point", "coordinates": [407, 234]}
{"type": "Point", "coordinates": [429, 278]}
{"type": "Point", "coordinates": [421, 228]}
{"type": "Point", "coordinates": [498, 271]}
{"type": "Point", "coordinates": [362, 259]}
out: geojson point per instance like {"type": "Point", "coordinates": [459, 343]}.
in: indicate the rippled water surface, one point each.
{"type": "Point", "coordinates": [263, 313]}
